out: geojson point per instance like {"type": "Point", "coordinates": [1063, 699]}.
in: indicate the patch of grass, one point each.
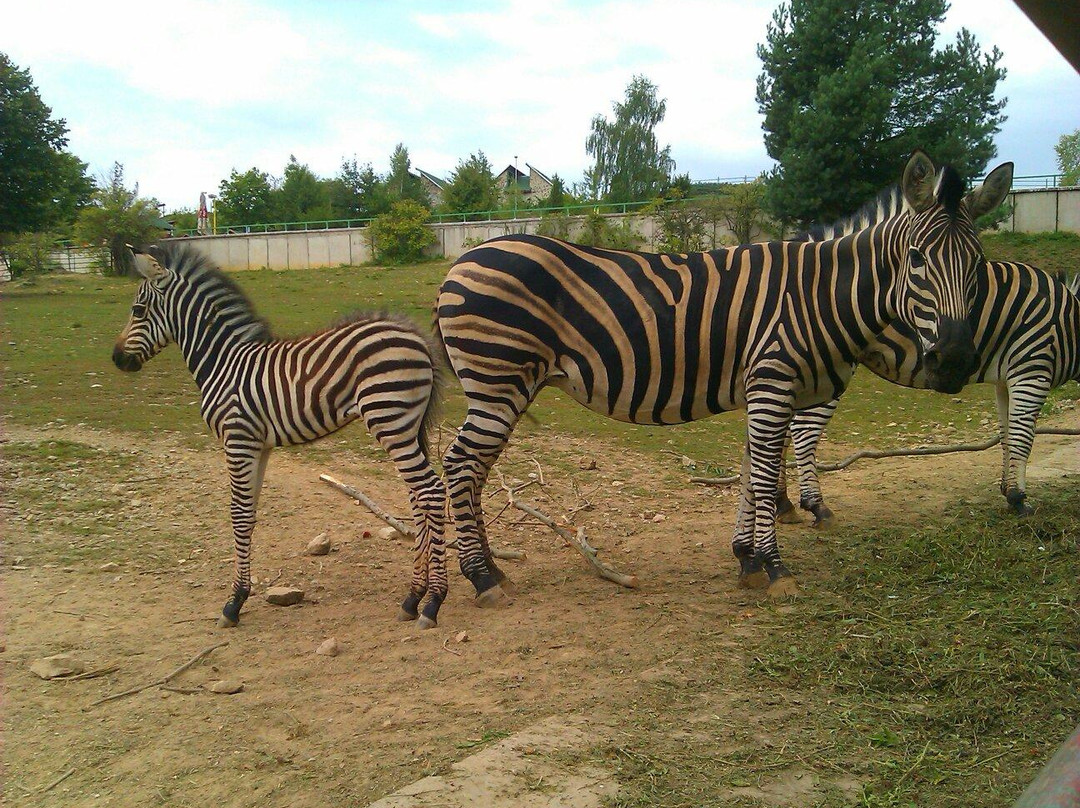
{"type": "Point", "coordinates": [939, 666]}
{"type": "Point", "coordinates": [1054, 252]}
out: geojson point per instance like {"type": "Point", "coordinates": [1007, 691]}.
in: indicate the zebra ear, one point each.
{"type": "Point", "coordinates": [146, 265]}
{"type": "Point", "coordinates": [918, 182]}
{"type": "Point", "coordinates": [992, 192]}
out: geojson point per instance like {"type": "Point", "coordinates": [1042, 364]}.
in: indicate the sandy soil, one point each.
{"type": "Point", "coordinates": [397, 704]}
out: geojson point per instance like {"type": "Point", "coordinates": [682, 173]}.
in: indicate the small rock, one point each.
{"type": "Point", "coordinates": [687, 462]}
{"type": "Point", "coordinates": [284, 595]}
{"type": "Point", "coordinates": [56, 665]}
{"type": "Point", "coordinates": [461, 636]}
{"type": "Point", "coordinates": [389, 533]}
{"type": "Point", "coordinates": [319, 546]}
{"type": "Point", "coordinates": [330, 647]}
{"type": "Point", "coordinates": [388, 723]}
{"type": "Point", "coordinates": [659, 517]}
{"type": "Point", "coordinates": [587, 464]}
{"type": "Point", "coordinates": [227, 686]}
{"type": "Point", "coordinates": [109, 566]}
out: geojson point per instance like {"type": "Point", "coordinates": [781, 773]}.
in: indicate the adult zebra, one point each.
{"type": "Point", "coordinates": [662, 339]}
{"type": "Point", "coordinates": [1026, 328]}
{"type": "Point", "coordinates": [259, 392]}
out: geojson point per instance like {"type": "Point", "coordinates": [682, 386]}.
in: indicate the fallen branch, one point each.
{"type": "Point", "coordinates": [56, 782]}
{"type": "Point", "coordinates": [163, 680]}
{"type": "Point", "coordinates": [577, 541]}
{"type": "Point", "coordinates": [371, 505]}
{"type": "Point", "coordinates": [397, 524]}
{"type": "Point", "coordinates": [94, 674]}
{"type": "Point", "coordinates": [878, 454]}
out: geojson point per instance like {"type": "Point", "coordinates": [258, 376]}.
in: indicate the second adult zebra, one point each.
{"type": "Point", "coordinates": [664, 339]}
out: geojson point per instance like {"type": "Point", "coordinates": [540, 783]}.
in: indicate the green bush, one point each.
{"type": "Point", "coordinates": [555, 225]}
{"type": "Point", "coordinates": [402, 234]}
{"type": "Point", "coordinates": [29, 254]}
{"type": "Point", "coordinates": [600, 232]}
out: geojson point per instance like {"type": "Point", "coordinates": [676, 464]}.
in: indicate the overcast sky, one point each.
{"type": "Point", "coordinates": [181, 93]}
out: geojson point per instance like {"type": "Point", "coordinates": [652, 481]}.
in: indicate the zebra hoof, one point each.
{"type": "Point", "coordinates": [754, 580]}
{"type": "Point", "coordinates": [493, 598]}
{"type": "Point", "coordinates": [508, 586]}
{"type": "Point", "coordinates": [824, 519]}
{"type": "Point", "coordinates": [784, 588]}
{"type": "Point", "coordinates": [423, 622]}
{"type": "Point", "coordinates": [404, 617]}
{"type": "Point", "coordinates": [225, 622]}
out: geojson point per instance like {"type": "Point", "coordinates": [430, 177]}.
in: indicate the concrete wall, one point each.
{"type": "Point", "coordinates": [1043, 210]}
{"type": "Point", "coordinates": [1035, 210]}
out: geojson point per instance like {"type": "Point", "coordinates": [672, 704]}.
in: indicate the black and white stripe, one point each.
{"type": "Point", "coordinates": [259, 392]}
{"type": "Point", "coordinates": [663, 339]}
{"type": "Point", "coordinates": [1026, 328]}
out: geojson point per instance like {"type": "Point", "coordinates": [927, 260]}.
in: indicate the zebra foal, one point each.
{"type": "Point", "coordinates": [663, 339]}
{"type": "Point", "coordinates": [259, 392]}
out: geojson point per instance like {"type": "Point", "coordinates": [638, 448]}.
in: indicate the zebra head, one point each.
{"type": "Point", "coordinates": [939, 264]}
{"type": "Point", "coordinates": [147, 330]}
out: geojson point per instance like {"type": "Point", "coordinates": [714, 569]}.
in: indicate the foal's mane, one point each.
{"type": "Point", "coordinates": [228, 299]}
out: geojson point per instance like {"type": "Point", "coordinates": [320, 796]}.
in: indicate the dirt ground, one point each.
{"type": "Point", "coordinates": [397, 704]}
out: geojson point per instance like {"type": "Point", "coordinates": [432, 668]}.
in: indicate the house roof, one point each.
{"type": "Point", "coordinates": [537, 172]}
{"type": "Point", "coordinates": [436, 181]}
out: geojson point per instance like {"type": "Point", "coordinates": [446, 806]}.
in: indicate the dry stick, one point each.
{"type": "Point", "coordinates": [877, 454]}
{"type": "Point", "coordinates": [371, 505]}
{"type": "Point", "coordinates": [57, 781]}
{"type": "Point", "coordinates": [94, 674]}
{"type": "Point", "coordinates": [163, 680]}
{"type": "Point", "coordinates": [397, 524]}
{"type": "Point", "coordinates": [577, 541]}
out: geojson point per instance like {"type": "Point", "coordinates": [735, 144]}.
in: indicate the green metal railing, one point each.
{"type": "Point", "coordinates": [504, 214]}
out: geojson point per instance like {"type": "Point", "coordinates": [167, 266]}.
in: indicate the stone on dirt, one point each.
{"type": "Point", "coordinates": [461, 636]}
{"type": "Point", "coordinates": [330, 647]}
{"type": "Point", "coordinates": [389, 533]}
{"type": "Point", "coordinates": [284, 595]}
{"type": "Point", "coordinates": [319, 546]}
{"type": "Point", "coordinates": [56, 665]}
{"type": "Point", "coordinates": [109, 566]}
{"type": "Point", "coordinates": [227, 686]}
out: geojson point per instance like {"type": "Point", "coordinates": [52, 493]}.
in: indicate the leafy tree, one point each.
{"type": "Point", "coordinates": [402, 233]}
{"type": "Point", "coordinates": [630, 165]}
{"type": "Point", "coordinates": [245, 199]}
{"type": "Point", "coordinates": [303, 196]}
{"type": "Point", "coordinates": [41, 185]}
{"type": "Point", "coordinates": [472, 186]}
{"type": "Point", "coordinates": [357, 192]}
{"type": "Point", "coordinates": [1068, 158]}
{"type": "Point", "coordinates": [401, 183]}
{"type": "Point", "coordinates": [117, 217]}
{"type": "Point", "coordinates": [846, 102]}
{"type": "Point", "coordinates": [742, 209]}
{"type": "Point", "coordinates": [558, 196]}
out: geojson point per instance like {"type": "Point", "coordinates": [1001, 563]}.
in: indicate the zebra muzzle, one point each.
{"type": "Point", "coordinates": [126, 361]}
{"type": "Point", "coordinates": [952, 359]}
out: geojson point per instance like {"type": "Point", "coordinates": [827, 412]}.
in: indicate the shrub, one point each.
{"type": "Point", "coordinates": [598, 231]}
{"type": "Point", "coordinates": [402, 234]}
{"type": "Point", "coordinates": [29, 254]}
{"type": "Point", "coordinates": [555, 225]}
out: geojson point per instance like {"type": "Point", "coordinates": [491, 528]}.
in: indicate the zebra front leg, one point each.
{"type": "Point", "coordinates": [767, 425]}
{"type": "Point", "coordinates": [785, 508]}
{"type": "Point", "coordinates": [247, 460]}
{"type": "Point", "coordinates": [1026, 398]}
{"type": "Point", "coordinates": [807, 427]}
{"type": "Point", "coordinates": [752, 573]}
{"type": "Point", "coordinates": [429, 566]}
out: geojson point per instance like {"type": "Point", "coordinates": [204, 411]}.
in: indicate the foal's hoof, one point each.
{"type": "Point", "coordinates": [789, 517]}
{"type": "Point", "coordinates": [225, 622]}
{"type": "Point", "coordinates": [754, 580]}
{"type": "Point", "coordinates": [824, 519]}
{"type": "Point", "coordinates": [404, 617]}
{"type": "Point", "coordinates": [493, 598]}
{"type": "Point", "coordinates": [508, 586]}
{"type": "Point", "coordinates": [423, 621]}
{"type": "Point", "coordinates": [784, 588]}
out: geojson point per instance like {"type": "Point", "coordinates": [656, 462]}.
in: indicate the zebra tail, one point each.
{"type": "Point", "coordinates": [440, 361]}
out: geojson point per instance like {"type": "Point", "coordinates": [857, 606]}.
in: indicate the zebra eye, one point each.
{"type": "Point", "coordinates": [916, 258]}
{"type": "Point", "coordinates": [138, 311]}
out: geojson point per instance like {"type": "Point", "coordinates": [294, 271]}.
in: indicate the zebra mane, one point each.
{"type": "Point", "coordinates": [229, 301]}
{"type": "Point", "coordinates": [1072, 282]}
{"type": "Point", "coordinates": [888, 203]}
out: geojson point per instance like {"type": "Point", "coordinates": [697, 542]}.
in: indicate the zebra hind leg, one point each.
{"type": "Point", "coordinates": [752, 573]}
{"type": "Point", "coordinates": [247, 460]}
